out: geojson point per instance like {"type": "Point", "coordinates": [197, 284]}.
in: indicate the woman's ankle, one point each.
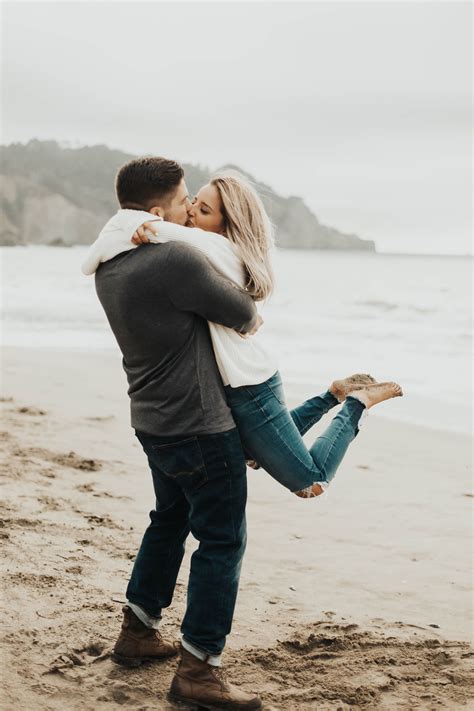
{"type": "Point", "coordinates": [310, 492]}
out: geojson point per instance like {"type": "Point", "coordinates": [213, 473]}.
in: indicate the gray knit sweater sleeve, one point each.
{"type": "Point", "coordinates": [193, 284]}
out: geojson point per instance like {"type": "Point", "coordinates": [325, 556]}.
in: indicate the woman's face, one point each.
{"type": "Point", "coordinates": [206, 211]}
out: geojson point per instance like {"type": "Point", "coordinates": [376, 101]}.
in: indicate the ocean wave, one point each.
{"type": "Point", "coordinates": [395, 324]}
{"type": "Point", "coordinates": [376, 304]}
{"type": "Point", "coordinates": [381, 305]}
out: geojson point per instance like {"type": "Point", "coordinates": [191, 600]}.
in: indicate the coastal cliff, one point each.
{"type": "Point", "coordinates": [57, 195]}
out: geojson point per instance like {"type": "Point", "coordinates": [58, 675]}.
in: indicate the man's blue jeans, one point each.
{"type": "Point", "coordinates": [272, 435]}
{"type": "Point", "coordinates": [201, 487]}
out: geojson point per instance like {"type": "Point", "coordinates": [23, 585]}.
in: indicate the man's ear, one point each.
{"type": "Point", "coordinates": [158, 211]}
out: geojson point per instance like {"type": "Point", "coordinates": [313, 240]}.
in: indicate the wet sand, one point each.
{"type": "Point", "coordinates": [357, 599]}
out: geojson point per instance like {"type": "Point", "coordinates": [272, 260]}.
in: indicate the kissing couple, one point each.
{"type": "Point", "coordinates": [180, 281]}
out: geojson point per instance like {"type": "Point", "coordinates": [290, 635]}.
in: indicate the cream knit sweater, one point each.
{"type": "Point", "coordinates": [241, 361]}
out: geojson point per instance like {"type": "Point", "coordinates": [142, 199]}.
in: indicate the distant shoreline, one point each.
{"type": "Point", "coordinates": [421, 254]}
{"type": "Point", "coordinates": [375, 252]}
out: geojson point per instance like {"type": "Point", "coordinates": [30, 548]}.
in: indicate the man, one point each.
{"type": "Point", "coordinates": [158, 300]}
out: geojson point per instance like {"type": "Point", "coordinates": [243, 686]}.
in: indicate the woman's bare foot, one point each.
{"type": "Point", "coordinates": [373, 394]}
{"type": "Point", "coordinates": [341, 388]}
{"type": "Point", "coordinates": [252, 464]}
{"type": "Point", "coordinates": [310, 492]}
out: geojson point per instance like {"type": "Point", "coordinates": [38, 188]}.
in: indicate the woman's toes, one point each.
{"type": "Point", "coordinates": [376, 393]}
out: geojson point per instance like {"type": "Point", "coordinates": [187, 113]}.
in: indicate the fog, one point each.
{"type": "Point", "coordinates": [363, 109]}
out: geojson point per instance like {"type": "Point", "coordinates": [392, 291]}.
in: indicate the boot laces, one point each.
{"type": "Point", "coordinates": [221, 676]}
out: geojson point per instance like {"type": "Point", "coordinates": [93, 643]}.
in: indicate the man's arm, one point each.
{"type": "Point", "coordinates": [194, 285]}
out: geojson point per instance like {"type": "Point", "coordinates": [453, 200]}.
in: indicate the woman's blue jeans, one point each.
{"type": "Point", "coordinates": [272, 435]}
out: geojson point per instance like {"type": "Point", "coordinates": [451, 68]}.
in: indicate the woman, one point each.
{"type": "Point", "coordinates": [229, 224]}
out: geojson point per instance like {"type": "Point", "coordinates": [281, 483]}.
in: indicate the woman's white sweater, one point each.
{"type": "Point", "coordinates": [241, 361]}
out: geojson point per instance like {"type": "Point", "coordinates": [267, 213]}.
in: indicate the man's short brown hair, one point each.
{"type": "Point", "coordinates": [144, 182]}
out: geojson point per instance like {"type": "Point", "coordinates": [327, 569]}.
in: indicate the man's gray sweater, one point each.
{"type": "Point", "coordinates": [158, 299]}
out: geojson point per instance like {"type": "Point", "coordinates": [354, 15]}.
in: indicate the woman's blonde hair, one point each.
{"type": "Point", "coordinates": [248, 227]}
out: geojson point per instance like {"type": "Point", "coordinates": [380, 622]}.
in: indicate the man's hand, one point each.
{"type": "Point", "coordinates": [254, 330]}
{"type": "Point", "coordinates": [141, 236]}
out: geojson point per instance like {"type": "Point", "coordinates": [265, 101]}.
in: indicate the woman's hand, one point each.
{"type": "Point", "coordinates": [254, 330]}
{"type": "Point", "coordinates": [140, 236]}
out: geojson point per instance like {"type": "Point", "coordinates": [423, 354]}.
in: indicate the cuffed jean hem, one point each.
{"type": "Point", "coordinates": [358, 409]}
{"type": "Point", "coordinates": [147, 619]}
{"type": "Point", "coordinates": [273, 435]}
{"type": "Point", "coordinates": [306, 486]}
{"type": "Point", "coordinates": [331, 446]}
{"type": "Point", "coordinates": [307, 492]}
{"type": "Point", "coordinates": [152, 614]}
{"type": "Point", "coordinates": [213, 659]}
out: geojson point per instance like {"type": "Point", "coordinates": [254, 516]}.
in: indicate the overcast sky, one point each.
{"type": "Point", "coordinates": [361, 108]}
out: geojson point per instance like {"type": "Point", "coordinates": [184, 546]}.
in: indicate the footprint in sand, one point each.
{"type": "Point", "coordinates": [357, 668]}
{"type": "Point", "coordinates": [104, 520]}
{"type": "Point", "coordinates": [84, 542]}
{"type": "Point", "coordinates": [50, 504]}
{"type": "Point", "coordinates": [74, 569]}
{"type": "Point", "coordinates": [30, 410]}
{"type": "Point", "coordinates": [102, 606]}
{"type": "Point", "coordinates": [85, 488]}
{"type": "Point", "coordinates": [8, 507]}
{"type": "Point", "coordinates": [19, 523]}
{"type": "Point", "coordinates": [76, 462]}
{"type": "Point", "coordinates": [32, 580]}
{"type": "Point", "coordinates": [48, 473]}
{"type": "Point", "coordinates": [89, 488]}
{"type": "Point", "coordinates": [79, 656]}
{"type": "Point", "coordinates": [71, 459]}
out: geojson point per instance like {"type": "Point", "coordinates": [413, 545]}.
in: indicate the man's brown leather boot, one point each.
{"type": "Point", "coordinates": [138, 643]}
{"type": "Point", "coordinates": [199, 683]}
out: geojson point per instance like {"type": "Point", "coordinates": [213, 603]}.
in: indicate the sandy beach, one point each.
{"type": "Point", "coordinates": [358, 599]}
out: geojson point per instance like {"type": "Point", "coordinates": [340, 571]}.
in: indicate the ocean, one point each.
{"type": "Point", "coordinates": [400, 317]}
